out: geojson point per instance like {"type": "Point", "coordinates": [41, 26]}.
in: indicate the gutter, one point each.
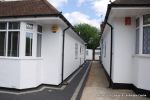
{"type": "Point", "coordinates": [63, 51]}
{"type": "Point", "coordinates": [113, 5]}
{"type": "Point", "coordinates": [111, 53]}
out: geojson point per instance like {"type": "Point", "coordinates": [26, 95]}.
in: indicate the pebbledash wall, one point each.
{"type": "Point", "coordinates": [127, 67]}
{"type": "Point", "coordinates": [29, 72]}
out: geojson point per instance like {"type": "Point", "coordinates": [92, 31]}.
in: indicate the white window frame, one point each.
{"type": "Point", "coordinates": [137, 28]}
{"type": "Point", "coordinates": [29, 26]}
{"type": "Point", "coordinates": [39, 33]}
{"type": "Point", "coordinates": [76, 50]}
{"type": "Point", "coordinates": [7, 30]}
{"type": "Point", "coordinates": [142, 52]}
{"type": "Point", "coordinates": [141, 35]}
{"type": "Point", "coordinates": [31, 45]}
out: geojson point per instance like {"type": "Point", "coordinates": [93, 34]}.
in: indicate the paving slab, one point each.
{"type": "Point", "coordinates": [97, 87]}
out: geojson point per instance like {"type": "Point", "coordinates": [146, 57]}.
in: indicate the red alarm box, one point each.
{"type": "Point", "coordinates": [127, 20]}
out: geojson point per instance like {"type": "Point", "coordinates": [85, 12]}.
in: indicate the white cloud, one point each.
{"type": "Point", "coordinates": [58, 3]}
{"type": "Point", "coordinates": [78, 17]}
{"type": "Point", "coordinates": [80, 2]}
{"type": "Point", "coordinates": [100, 6]}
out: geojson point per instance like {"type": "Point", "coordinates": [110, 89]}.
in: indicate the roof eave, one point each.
{"type": "Point", "coordinates": [120, 5]}
{"type": "Point", "coordinates": [44, 15]}
{"type": "Point", "coordinates": [27, 16]}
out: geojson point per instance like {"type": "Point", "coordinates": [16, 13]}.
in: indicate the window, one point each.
{"type": "Point", "coordinates": [39, 40]}
{"type": "Point", "coordinates": [146, 40]}
{"type": "Point", "coordinates": [29, 39]}
{"type": "Point", "coordinates": [39, 44]}
{"type": "Point", "coordinates": [146, 19]}
{"type": "Point", "coordinates": [76, 51]}
{"type": "Point", "coordinates": [29, 26]}
{"type": "Point", "coordinates": [3, 25]}
{"type": "Point", "coordinates": [137, 22]}
{"type": "Point", "coordinates": [2, 43]}
{"type": "Point", "coordinates": [137, 36]}
{"type": "Point", "coordinates": [87, 53]}
{"type": "Point", "coordinates": [13, 44]}
{"type": "Point", "coordinates": [9, 39]}
{"type": "Point", "coordinates": [137, 42]}
{"type": "Point", "coordinates": [14, 25]}
{"type": "Point", "coordinates": [97, 53]}
{"type": "Point", "coordinates": [105, 49]}
{"type": "Point", "coordinates": [39, 28]}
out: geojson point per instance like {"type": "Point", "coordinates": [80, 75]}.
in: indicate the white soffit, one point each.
{"type": "Point", "coordinates": [129, 11]}
{"type": "Point", "coordinates": [41, 20]}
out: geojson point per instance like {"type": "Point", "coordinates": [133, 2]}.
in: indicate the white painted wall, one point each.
{"type": "Point", "coordinates": [70, 61]}
{"type": "Point", "coordinates": [141, 64]}
{"type": "Point", "coordinates": [10, 72]}
{"type": "Point", "coordinates": [106, 49]}
{"type": "Point", "coordinates": [89, 54]}
{"type": "Point", "coordinates": [28, 72]}
{"type": "Point", "coordinates": [30, 67]}
{"type": "Point", "coordinates": [124, 44]}
{"type": "Point", "coordinates": [97, 54]}
{"type": "Point", "coordinates": [52, 55]}
{"type": "Point", "coordinates": [127, 67]}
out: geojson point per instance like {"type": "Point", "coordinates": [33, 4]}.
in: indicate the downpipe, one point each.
{"type": "Point", "coordinates": [111, 54]}
{"type": "Point", "coordinates": [63, 51]}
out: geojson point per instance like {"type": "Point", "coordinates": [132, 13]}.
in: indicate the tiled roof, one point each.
{"type": "Point", "coordinates": [132, 2]}
{"type": "Point", "coordinates": [26, 8]}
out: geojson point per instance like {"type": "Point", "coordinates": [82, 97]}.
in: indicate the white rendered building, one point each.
{"type": "Point", "coordinates": [125, 45]}
{"type": "Point", "coordinates": [37, 45]}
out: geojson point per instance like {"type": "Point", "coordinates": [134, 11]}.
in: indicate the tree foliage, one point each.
{"type": "Point", "coordinates": [90, 34]}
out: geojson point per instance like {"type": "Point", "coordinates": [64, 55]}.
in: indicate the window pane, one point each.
{"type": "Point", "coordinates": [14, 25]}
{"type": "Point", "coordinates": [137, 22]}
{"type": "Point", "coordinates": [87, 53]}
{"type": "Point", "coordinates": [3, 25]}
{"type": "Point", "coordinates": [97, 53]}
{"type": "Point", "coordinates": [137, 42]}
{"type": "Point", "coordinates": [146, 19]}
{"type": "Point", "coordinates": [76, 51]}
{"type": "Point", "coordinates": [39, 45]}
{"type": "Point", "coordinates": [29, 39]}
{"type": "Point", "coordinates": [13, 44]}
{"type": "Point", "coordinates": [146, 40]}
{"type": "Point", "coordinates": [29, 26]}
{"type": "Point", "coordinates": [105, 50]}
{"type": "Point", "coordinates": [39, 29]}
{"type": "Point", "coordinates": [2, 43]}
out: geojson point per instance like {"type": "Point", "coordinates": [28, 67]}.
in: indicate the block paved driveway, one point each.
{"type": "Point", "coordinates": [72, 91]}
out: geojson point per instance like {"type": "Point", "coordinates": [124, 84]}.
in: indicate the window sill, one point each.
{"type": "Point", "coordinates": [142, 55]}
{"type": "Point", "coordinates": [23, 58]}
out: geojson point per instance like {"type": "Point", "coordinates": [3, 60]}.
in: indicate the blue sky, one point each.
{"type": "Point", "coordinates": [82, 11]}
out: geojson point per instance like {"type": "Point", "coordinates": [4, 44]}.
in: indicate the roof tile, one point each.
{"type": "Point", "coordinates": [26, 8]}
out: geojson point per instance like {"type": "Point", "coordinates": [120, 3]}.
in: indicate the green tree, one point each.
{"type": "Point", "coordinates": [90, 34]}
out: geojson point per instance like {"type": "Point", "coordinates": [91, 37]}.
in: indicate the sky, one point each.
{"type": "Point", "coordinates": [91, 12]}
{"type": "Point", "coordinates": [82, 11]}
